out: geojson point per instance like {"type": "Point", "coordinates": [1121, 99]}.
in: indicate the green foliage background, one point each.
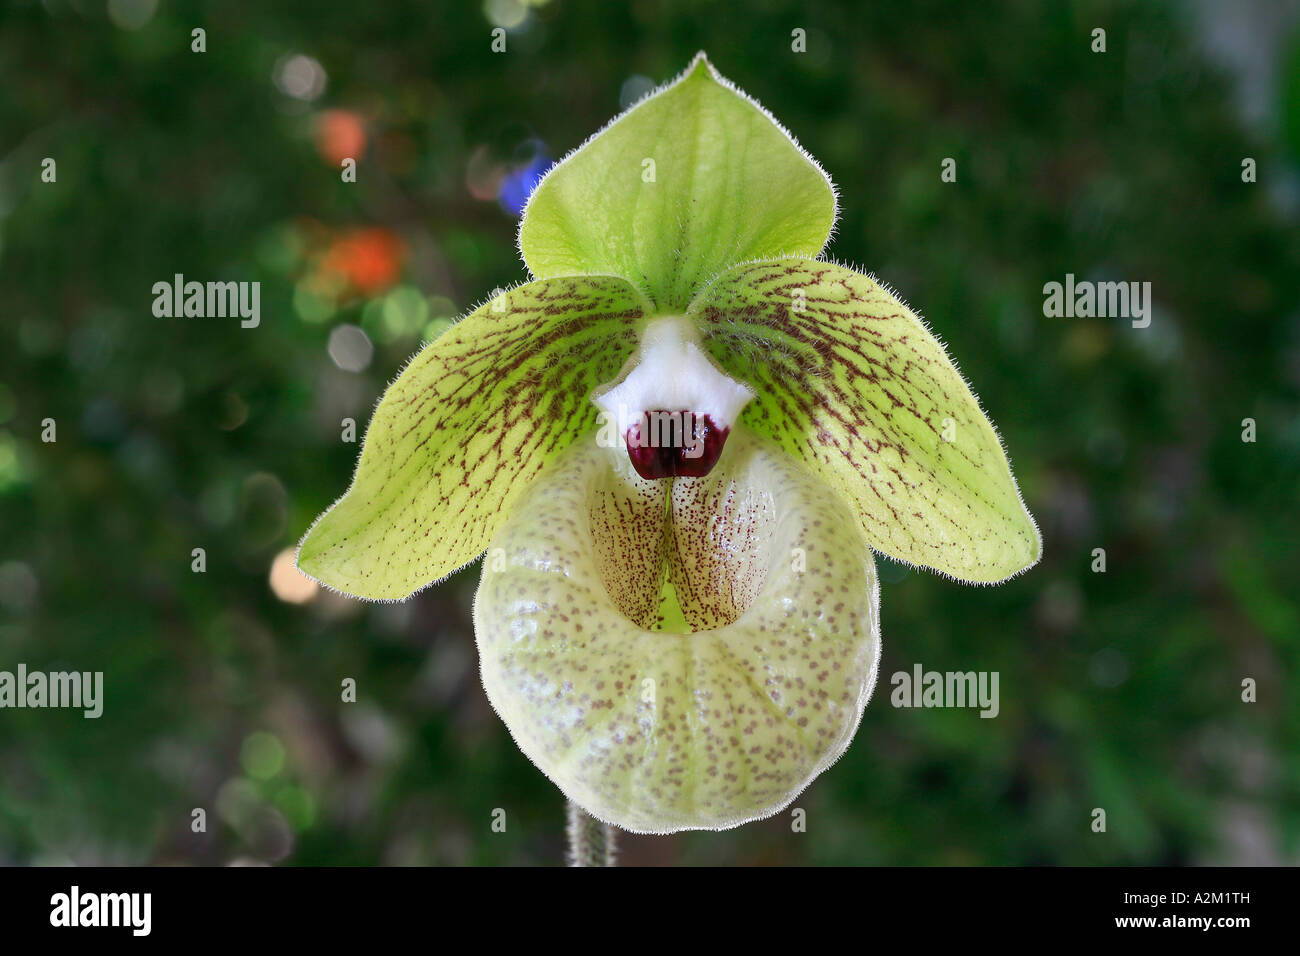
{"type": "Point", "coordinates": [1119, 690]}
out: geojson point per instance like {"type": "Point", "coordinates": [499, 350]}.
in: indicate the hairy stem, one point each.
{"type": "Point", "coordinates": [591, 843]}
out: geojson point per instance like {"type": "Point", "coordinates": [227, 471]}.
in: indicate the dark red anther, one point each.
{"type": "Point", "coordinates": [668, 444]}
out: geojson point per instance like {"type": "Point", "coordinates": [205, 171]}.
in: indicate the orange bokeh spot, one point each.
{"type": "Point", "coordinates": [369, 260]}
{"type": "Point", "coordinates": [340, 134]}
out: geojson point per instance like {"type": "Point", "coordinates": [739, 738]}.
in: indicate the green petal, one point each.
{"type": "Point", "coordinates": [469, 422]}
{"type": "Point", "coordinates": [729, 185]}
{"type": "Point", "coordinates": [657, 731]}
{"type": "Point", "coordinates": [857, 387]}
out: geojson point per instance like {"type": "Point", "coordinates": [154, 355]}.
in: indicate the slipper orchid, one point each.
{"type": "Point", "coordinates": [678, 445]}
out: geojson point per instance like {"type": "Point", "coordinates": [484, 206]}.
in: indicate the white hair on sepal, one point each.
{"type": "Point", "coordinates": [979, 404]}
{"type": "Point", "coordinates": [489, 299]}
{"type": "Point", "coordinates": [383, 393]}
{"type": "Point", "coordinates": [812, 160]}
{"type": "Point", "coordinates": [822, 370]}
{"type": "Point", "coordinates": [645, 303]}
{"type": "Point", "coordinates": [721, 80]}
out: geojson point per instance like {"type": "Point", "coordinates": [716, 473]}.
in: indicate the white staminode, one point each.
{"type": "Point", "coordinates": [673, 373]}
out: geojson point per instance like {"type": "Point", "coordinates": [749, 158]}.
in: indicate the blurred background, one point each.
{"type": "Point", "coordinates": [1120, 690]}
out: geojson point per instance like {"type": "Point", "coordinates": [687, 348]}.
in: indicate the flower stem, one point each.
{"type": "Point", "coordinates": [591, 843]}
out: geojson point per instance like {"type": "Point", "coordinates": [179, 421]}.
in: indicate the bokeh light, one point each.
{"type": "Point", "coordinates": [340, 135]}
{"type": "Point", "coordinates": [350, 348]}
{"type": "Point", "coordinates": [484, 174]}
{"type": "Point", "coordinates": [288, 583]}
{"type": "Point", "coordinates": [366, 261]}
{"type": "Point", "coordinates": [510, 14]}
{"type": "Point", "coordinates": [300, 77]}
{"type": "Point", "coordinates": [633, 89]}
{"type": "Point", "coordinates": [519, 183]}
{"type": "Point", "coordinates": [131, 14]}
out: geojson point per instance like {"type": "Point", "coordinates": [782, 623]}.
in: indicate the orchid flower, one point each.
{"type": "Point", "coordinates": [679, 446]}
